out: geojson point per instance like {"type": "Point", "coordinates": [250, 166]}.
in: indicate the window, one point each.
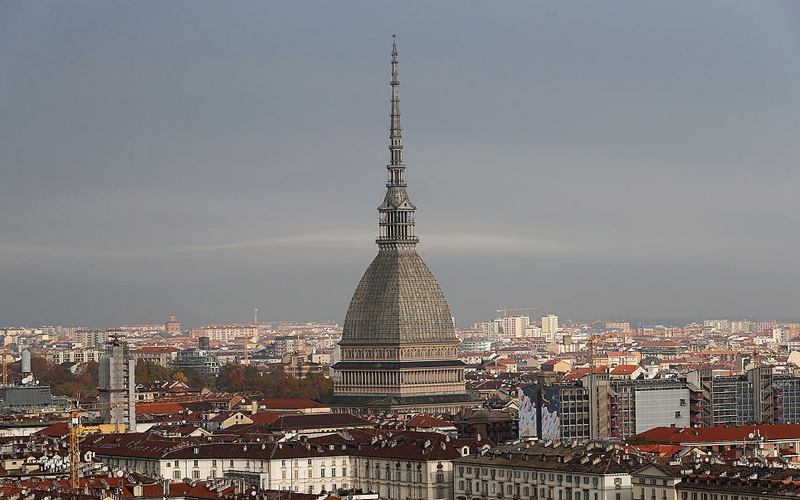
{"type": "Point", "coordinates": [196, 463]}
{"type": "Point", "coordinates": [231, 463]}
{"type": "Point", "coordinates": [333, 472]}
{"type": "Point", "coordinates": [176, 474]}
{"type": "Point", "coordinates": [440, 477]}
{"type": "Point", "coordinates": [461, 485]}
{"type": "Point", "coordinates": [322, 473]}
{"type": "Point", "coordinates": [309, 461]}
{"type": "Point", "coordinates": [283, 463]}
{"type": "Point", "coordinates": [213, 463]}
{"type": "Point", "coordinates": [195, 474]}
{"type": "Point", "coordinates": [169, 463]}
{"type": "Point", "coordinates": [177, 464]}
{"type": "Point", "coordinates": [344, 473]}
{"type": "Point", "coordinates": [461, 472]}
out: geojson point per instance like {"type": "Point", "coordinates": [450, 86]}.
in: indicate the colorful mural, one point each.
{"type": "Point", "coordinates": [544, 423]}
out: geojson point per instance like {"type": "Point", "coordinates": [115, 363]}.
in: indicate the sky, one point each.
{"type": "Point", "coordinates": [596, 160]}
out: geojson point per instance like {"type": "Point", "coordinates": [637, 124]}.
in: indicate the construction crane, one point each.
{"type": "Point", "coordinates": [77, 429]}
{"type": "Point", "coordinates": [591, 344]}
{"type": "Point", "coordinates": [505, 310]}
{"type": "Point", "coordinates": [5, 367]}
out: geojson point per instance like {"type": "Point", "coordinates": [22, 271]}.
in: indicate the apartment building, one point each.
{"type": "Point", "coordinates": [547, 471]}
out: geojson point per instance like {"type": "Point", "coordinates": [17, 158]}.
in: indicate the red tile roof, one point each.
{"type": "Point", "coordinates": [624, 369]}
{"type": "Point", "coordinates": [158, 408]}
{"type": "Point", "coordinates": [289, 404]}
{"type": "Point", "coordinates": [58, 429]}
{"type": "Point", "coordinates": [676, 435]}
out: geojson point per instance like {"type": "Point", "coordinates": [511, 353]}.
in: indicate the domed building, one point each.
{"type": "Point", "coordinates": [398, 348]}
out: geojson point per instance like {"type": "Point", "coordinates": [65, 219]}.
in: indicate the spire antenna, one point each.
{"type": "Point", "coordinates": [396, 213]}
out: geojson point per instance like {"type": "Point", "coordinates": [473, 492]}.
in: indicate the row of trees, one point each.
{"type": "Point", "coordinates": [232, 378]}
{"type": "Point", "coordinates": [274, 384]}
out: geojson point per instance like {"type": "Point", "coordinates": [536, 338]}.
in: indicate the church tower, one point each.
{"type": "Point", "coordinates": [398, 347]}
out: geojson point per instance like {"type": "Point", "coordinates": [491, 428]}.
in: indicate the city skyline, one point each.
{"type": "Point", "coordinates": [595, 161]}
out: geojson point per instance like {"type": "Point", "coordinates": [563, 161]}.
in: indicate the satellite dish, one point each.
{"type": "Point", "coordinates": [253, 493]}
{"type": "Point", "coordinates": [120, 473]}
{"type": "Point", "coordinates": [751, 435]}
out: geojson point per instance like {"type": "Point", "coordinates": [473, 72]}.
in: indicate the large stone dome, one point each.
{"type": "Point", "coordinates": [398, 301]}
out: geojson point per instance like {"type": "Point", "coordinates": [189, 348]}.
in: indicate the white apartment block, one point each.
{"type": "Point", "coordinates": [514, 326]}
{"type": "Point", "coordinates": [550, 326]}
{"type": "Point", "coordinates": [60, 356]}
{"type": "Point", "coordinates": [226, 333]}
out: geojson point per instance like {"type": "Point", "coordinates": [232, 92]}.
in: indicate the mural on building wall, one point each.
{"type": "Point", "coordinates": [548, 402]}
{"type": "Point", "coordinates": [527, 415]}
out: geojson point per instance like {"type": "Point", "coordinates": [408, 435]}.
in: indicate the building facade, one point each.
{"type": "Point", "coordinates": [399, 351]}
{"type": "Point", "coordinates": [117, 391]}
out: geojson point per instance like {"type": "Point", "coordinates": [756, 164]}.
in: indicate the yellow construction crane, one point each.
{"type": "Point", "coordinates": [77, 429]}
{"type": "Point", "coordinates": [591, 344]}
{"type": "Point", "coordinates": [505, 310]}
{"type": "Point", "coordinates": [5, 366]}
{"type": "Point", "coordinates": [75, 432]}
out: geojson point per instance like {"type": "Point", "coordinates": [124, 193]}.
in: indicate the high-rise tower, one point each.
{"type": "Point", "coordinates": [398, 347]}
{"type": "Point", "coordinates": [117, 391]}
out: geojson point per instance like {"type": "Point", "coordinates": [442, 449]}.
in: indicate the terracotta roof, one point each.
{"type": "Point", "coordinates": [158, 408]}
{"type": "Point", "coordinates": [624, 369]}
{"type": "Point", "coordinates": [318, 420]}
{"type": "Point", "coordinates": [58, 429]}
{"type": "Point", "coordinates": [677, 435]}
{"type": "Point", "coordinates": [264, 417]}
{"type": "Point", "coordinates": [290, 404]}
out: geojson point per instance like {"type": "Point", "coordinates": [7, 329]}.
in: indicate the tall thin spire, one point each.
{"type": "Point", "coordinates": [395, 131]}
{"type": "Point", "coordinates": [396, 213]}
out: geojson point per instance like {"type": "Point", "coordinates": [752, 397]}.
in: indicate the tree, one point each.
{"type": "Point", "coordinates": [274, 384]}
{"type": "Point", "coordinates": [148, 372]}
{"type": "Point", "coordinates": [179, 377]}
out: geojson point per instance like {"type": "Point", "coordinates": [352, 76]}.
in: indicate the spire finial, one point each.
{"type": "Point", "coordinates": [396, 213]}
{"type": "Point", "coordinates": [395, 136]}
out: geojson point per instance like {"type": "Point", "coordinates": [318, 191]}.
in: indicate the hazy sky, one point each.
{"type": "Point", "coordinates": [593, 159]}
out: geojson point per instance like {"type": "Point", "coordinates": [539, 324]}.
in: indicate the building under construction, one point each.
{"type": "Point", "coordinates": [117, 385]}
